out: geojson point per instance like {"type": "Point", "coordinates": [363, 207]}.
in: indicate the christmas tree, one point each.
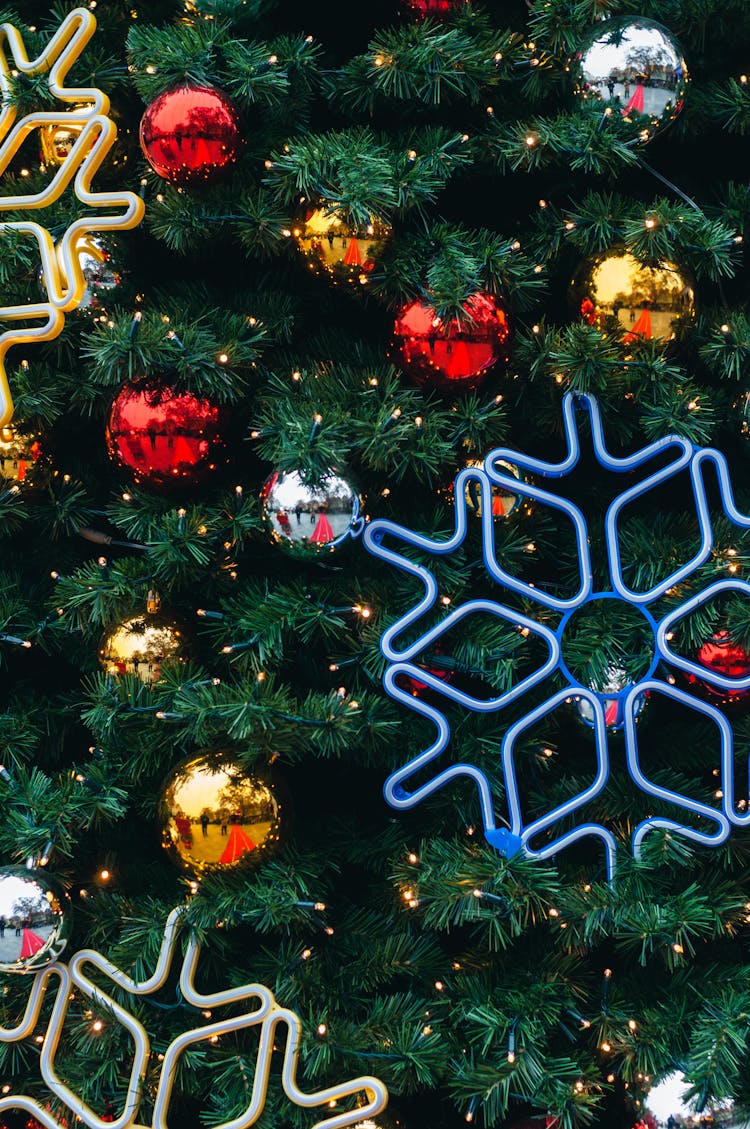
{"type": "Point", "coordinates": [378, 456]}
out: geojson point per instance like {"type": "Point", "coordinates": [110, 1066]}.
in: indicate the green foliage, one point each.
{"type": "Point", "coordinates": [475, 986]}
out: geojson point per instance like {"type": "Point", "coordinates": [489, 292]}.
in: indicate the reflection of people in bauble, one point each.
{"type": "Point", "coordinates": [204, 825]}
{"type": "Point", "coordinates": [283, 519]}
{"type": "Point", "coordinates": [184, 829]}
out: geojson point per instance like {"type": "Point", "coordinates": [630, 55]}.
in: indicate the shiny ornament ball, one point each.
{"type": "Point", "coordinates": [386, 1119]}
{"type": "Point", "coordinates": [721, 655]}
{"type": "Point", "coordinates": [56, 141]}
{"type": "Point", "coordinates": [18, 453]}
{"type": "Point", "coordinates": [164, 437]}
{"type": "Point", "coordinates": [614, 682]}
{"type": "Point", "coordinates": [451, 356]}
{"type": "Point", "coordinates": [437, 9]}
{"type": "Point", "coordinates": [191, 134]}
{"type": "Point", "coordinates": [634, 68]}
{"type": "Point", "coordinates": [741, 410]}
{"type": "Point", "coordinates": [215, 815]}
{"type": "Point", "coordinates": [504, 503]}
{"type": "Point", "coordinates": [334, 246]}
{"type": "Point", "coordinates": [309, 518]}
{"type": "Point", "coordinates": [34, 920]}
{"type": "Point", "coordinates": [100, 273]}
{"type": "Point", "coordinates": [416, 687]}
{"type": "Point", "coordinates": [140, 644]}
{"type": "Point", "coordinates": [613, 291]}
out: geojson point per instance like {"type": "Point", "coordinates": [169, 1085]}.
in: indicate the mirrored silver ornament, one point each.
{"type": "Point", "coordinates": [615, 680]}
{"type": "Point", "coordinates": [632, 67]}
{"type": "Point", "coordinates": [34, 920]}
{"type": "Point", "coordinates": [306, 517]}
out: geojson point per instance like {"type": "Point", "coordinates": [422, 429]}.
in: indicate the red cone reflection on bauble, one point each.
{"type": "Point", "coordinates": [453, 355]}
{"type": "Point", "coordinates": [191, 134]}
{"type": "Point", "coordinates": [162, 436]}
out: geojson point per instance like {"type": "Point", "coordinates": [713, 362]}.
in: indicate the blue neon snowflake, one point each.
{"type": "Point", "coordinates": [496, 473]}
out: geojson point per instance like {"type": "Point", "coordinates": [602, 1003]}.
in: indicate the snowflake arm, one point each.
{"type": "Point", "coordinates": [267, 1015]}
{"type": "Point", "coordinates": [607, 707]}
{"type": "Point", "coordinates": [61, 266]}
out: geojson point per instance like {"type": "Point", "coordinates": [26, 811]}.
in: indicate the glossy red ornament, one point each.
{"type": "Point", "coordinates": [163, 436]}
{"type": "Point", "coordinates": [452, 356]}
{"type": "Point", "coordinates": [191, 134]}
{"type": "Point", "coordinates": [722, 656]}
{"type": "Point", "coordinates": [416, 687]}
{"type": "Point", "coordinates": [435, 8]}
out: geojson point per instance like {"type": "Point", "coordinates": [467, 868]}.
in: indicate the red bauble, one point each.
{"type": "Point", "coordinates": [436, 8]}
{"type": "Point", "coordinates": [163, 436]}
{"type": "Point", "coordinates": [416, 687]}
{"type": "Point", "coordinates": [722, 656]}
{"type": "Point", "coordinates": [452, 355]}
{"type": "Point", "coordinates": [191, 134]}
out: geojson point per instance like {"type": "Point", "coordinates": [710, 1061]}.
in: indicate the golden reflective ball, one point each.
{"type": "Point", "coordinates": [217, 816]}
{"type": "Point", "coordinates": [18, 453]}
{"type": "Point", "coordinates": [140, 644]}
{"type": "Point", "coordinates": [56, 141]}
{"type": "Point", "coordinates": [334, 246]}
{"type": "Point", "coordinates": [615, 292]}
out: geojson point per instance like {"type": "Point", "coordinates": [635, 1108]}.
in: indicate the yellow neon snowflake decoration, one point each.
{"type": "Point", "coordinates": [89, 110]}
{"type": "Point", "coordinates": [274, 1021]}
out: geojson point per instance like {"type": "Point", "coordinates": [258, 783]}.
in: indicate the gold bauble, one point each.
{"type": "Point", "coordinates": [334, 246]}
{"type": "Point", "coordinates": [614, 291]}
{"type": "Point", "coordinates": [18, 452]}
{"type": "Point", "coordinates": [140, 644]}
{"type": "Point", "coordinates": [217, 816]}
{"type": "Point", "coordinates": [56, 141]}
{"type": "Point", "coordinates": [34, 920]}
{"type": "Point", "coordinates": [503, 502]}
